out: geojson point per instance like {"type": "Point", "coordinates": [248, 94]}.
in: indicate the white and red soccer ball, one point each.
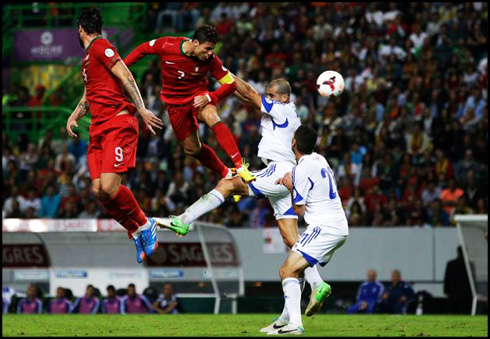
{"type": "Point", "coordinates": [330, 84]}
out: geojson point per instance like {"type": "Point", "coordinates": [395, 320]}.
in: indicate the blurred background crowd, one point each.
{"type": "Point", "coordinates": [407, 139]}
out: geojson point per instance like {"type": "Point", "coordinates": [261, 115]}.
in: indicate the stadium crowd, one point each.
{"type": "Point", "coordinates": [407, 139]}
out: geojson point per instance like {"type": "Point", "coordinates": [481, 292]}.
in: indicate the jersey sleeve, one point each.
{"type": "Point", "coordinates": [153, 47]}
{"type": "Point", "coordinates": [301, 185]}
{"type": "Point", "coordinates": [224, 77]}
{"type": "Point", "coordinates": [274, 108]}
{"type": "Point", "coordinates": [105, 53]}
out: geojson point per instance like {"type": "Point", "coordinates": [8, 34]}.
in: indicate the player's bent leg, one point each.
{"type": "Point", "coordinates": [205, 154]}
{"type": "Point", "coordinates": [226, 140]}
{"type": "Point", "coordinates": [123, 207]}
{"type": "Point", "coordinates": [208, 202]}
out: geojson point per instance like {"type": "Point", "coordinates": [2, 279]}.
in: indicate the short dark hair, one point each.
{"type": "Point", "coordinates": [111, 287]}
{"type": "Point", "coordinates": [282, 85]}
{"type": "Point", "coordinates": [206, 33]}
{"type": "Point", "coordinates": [305, 139]}
{"type": "Point", "coordinates": [131, 285]}
{"type": "Point", "coordinates": [90, 19]}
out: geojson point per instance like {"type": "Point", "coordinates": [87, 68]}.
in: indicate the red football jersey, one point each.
{"type": "Point", "coordinates": [183, 77]}
{"type": "Point", "coordinates": [105, 93]}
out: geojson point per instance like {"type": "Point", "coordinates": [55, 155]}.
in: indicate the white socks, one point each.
{"type": "Point", "coordinates": [313, 277]}
{"type": "Point", "coordinates": [206, 203]}
{"type": "Point", "coordinates": [284, 317]}
{"type": "Point", "coordinates": [292, 298]}
{"type": "Point", "coordinates": [145, 226]}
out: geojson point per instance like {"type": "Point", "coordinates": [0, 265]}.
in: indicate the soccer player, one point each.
{"type": "Point", "coordinates": [167, 302]}
{"type": "Point", "coordinates": [88, 304]}
{"type": "Point", "coordinates": [60, 304]}
{"type": "Point", "coordinates": [314, 195]}
{"type": "Point", "coordinates": [31, 304]}
{"type": "Point", "coordinates": [184, 64]}
{"type": "Point", "coordinates": [112, 304]}
{"type": "Point", "coordinates": [279, 122]}
{"type": "Point", "coordinates": [368, 295]}
{"type": "Point", "coordinates": [114, 129]}
{"type": "Point", "coordinates": [133, 303]}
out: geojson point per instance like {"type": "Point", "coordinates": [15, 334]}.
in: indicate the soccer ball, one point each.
{"type": "Point", "coordinates": [330, 84]}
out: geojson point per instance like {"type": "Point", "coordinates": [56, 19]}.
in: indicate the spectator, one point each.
{"type": "Point", "coordinates": [437, 216]}
{"type": "Point", "coordinates": [450, 196]}
{"type": "Point", "coordinates": [167, 303]}
{"type": "Point", "coordinates": [112, 304]}
{"type": "Point", "coordinates": [457, 285]}
{"type": "Point", "coordinates": [31, 304]}
{"type": "Point", "coordinates": [50, 203]}
{"type": "Point", "coordinates": [134, 303]}
{"type": "Point", "coordinates": [396, 296]}
{"type": "Point", "coordinates": [368, 295]}
{"type": "Point", "coordinates": [88, 304]}
{"type": "Point", "coordinates": [60, 304]}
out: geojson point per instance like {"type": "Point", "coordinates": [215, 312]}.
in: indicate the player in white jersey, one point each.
{"type": "Point", "coordinates": [314, 194]}
{"type": "Point", "coordinates": [278, 124]}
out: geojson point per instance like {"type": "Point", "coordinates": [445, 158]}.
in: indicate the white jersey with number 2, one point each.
{"type": "Point", "coordinates": [314, 186]}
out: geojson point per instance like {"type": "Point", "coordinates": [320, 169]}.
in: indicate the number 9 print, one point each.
{"type": "Point", "coordinates": [119, 154]}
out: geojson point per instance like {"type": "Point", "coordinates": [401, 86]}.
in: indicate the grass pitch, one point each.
{"type": "Point", "coordinates": [241, 325]}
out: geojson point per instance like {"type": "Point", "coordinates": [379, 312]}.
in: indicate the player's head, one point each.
{"type": "Point", "coordinates": [89, 23]}
{"type": "Point", "coordinates": [131, 290]}
{"type": "Point", "coordinates": [371, 275]}
{"type": "Point", "coordinates": [204, 40]}
{"type": "Point", "coordinates": [396, 276]}
{"type": "Point", "coordinates": [60, 292]}
{"type": "Point", "coordinates": [31, 292]}
{"type": "Point", "coordinates": [167, 289]}
{"type": "Point", "coordinates": [111, 291]}
{"type": "Point", "coordinates": [279, 90]}
{"type": "Point", "coordinates": [90, 291]}
{"type": "Point", "coordinates": [304, 140]}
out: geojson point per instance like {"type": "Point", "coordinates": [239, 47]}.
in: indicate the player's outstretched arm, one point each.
{"type": "Point", "coordinates": [246, 93]}
{"type": "Point", "coordinates": [79, 112]}
{"type": "Point", "coordinates": [149, 47]}
{"type": "Point", "coordinates": [122, 72]}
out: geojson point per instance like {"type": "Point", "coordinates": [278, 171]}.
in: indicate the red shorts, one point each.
{"type": "Point", "coordinates": [183, 119]}
{"type": "Point", "coordinates": [112, 145]}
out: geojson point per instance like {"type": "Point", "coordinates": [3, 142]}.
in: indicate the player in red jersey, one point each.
{"type": "Point", "coordinates": [185, 63]}
{"type": "Point", "coordinates": [114, 129]}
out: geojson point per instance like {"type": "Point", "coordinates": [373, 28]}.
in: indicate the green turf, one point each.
{"type": "Point", "coordinates": [244, 325]}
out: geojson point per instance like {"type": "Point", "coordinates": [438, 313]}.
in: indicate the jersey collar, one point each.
{"type": "Point", "coordinates": [182, 49]}
{"type": "Point", "coordinates": [92, 42]}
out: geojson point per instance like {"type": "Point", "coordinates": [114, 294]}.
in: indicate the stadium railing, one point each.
{"type": "Point", "coordinates": [42, 119]}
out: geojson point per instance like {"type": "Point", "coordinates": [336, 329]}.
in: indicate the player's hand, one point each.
{"type": "Point", "coordinates": [287, 181]}
{"type": "Point", "coordinates": [151, 120]}
{"type": "Point", "coordinates": [72, 122]}
{"type": "Point", "coordinates": [201, 101]}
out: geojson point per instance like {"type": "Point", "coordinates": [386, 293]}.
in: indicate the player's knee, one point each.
{"type": "Point", "coordinates": [107, 190]}
{"type": "Point", "coordinates": [97, 192]}
{"type": "Point", "coordinates": [192, 150]}
{"type": "Point", "coordinates": [225, 185]}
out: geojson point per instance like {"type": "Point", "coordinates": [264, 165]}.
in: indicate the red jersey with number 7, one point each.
{"type": "Point", "coordinates": [105, 93]}
{"type": "Point", "coordinates": [183, 77]}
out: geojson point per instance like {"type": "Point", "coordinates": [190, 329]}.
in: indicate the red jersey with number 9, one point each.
{"type": "Point", "coordinates": [183, 77]}
{"type": "Point", "coordinates": [105, 93]}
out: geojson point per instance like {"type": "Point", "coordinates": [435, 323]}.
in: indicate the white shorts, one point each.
{"type": "Point", "coordinates": [317, 246]}
{"type": "Point", "coordinates": [265, 186]}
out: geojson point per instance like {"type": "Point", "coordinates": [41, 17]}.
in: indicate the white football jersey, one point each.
{"type": "Point", "coordinates": [314, 186]}
{"type": "Point", "coordinates": [278, 124]}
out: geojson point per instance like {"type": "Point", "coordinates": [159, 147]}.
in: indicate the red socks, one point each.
{"type": "Point", "coordinates": [227, 142]}
{"type": "Point", "coordinates": [124, 208]}
{"type": "Point", "coordinates": [208, 158]}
